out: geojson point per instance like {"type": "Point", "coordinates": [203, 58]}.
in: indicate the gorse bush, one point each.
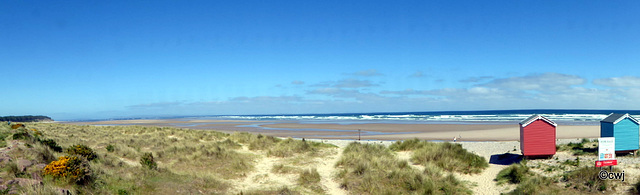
{"type": "Point", "coordinates": [70, 168]}
{"type": "Point", "coordinates": [147, 161]}
{"type": "Point", "coordinates": [21, 136]}
{"type": "Point", "coordinates": [448, 156]}
{"type": "Point", "coordinates": [111, 148]}
{"type": "Point", "coordinates": [82, 150]}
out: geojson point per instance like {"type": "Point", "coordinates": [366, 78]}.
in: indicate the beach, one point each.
{"type": "Point", "coordinates": [488, 140]}
{"type": "Point", "coordinates": [368, 131]}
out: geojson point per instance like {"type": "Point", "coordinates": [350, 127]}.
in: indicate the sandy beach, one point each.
{"type": "Point", "coordinates": [486, 140]}
{"type": "Point", "coordinates": [368, 131]}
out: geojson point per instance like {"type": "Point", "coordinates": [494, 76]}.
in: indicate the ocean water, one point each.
{"type": "Point", "coordinates": [563, 117]}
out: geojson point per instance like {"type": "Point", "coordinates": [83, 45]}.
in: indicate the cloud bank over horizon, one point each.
{"type": "Point", "coordinates": [352, 95]}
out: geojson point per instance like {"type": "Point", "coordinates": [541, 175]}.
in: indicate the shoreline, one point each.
{"type": "Point", "coordinates": [368, 131]}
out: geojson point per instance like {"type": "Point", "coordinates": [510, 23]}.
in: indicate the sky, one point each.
{"type": "Point", "coordinates": [109, 59]}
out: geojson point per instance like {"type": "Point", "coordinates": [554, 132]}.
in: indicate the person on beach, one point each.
{"type": "Point", "coordinates": [454, 139]}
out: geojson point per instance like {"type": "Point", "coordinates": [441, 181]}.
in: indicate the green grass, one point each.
{"type": "Point", "coordinates": [582, 180]}
{"type": "Point", "coordinates": [284, 190]}
{"type": "Point", "coordinates": [311, 179]}
{"type": "Point", "coordinates": [585, 179]}
{"type": "Point", "coordinates": [283, 169]}
{"type": "Point", "coordinates": [448, 156]}
{"type": "Point", "coordinates": [373, 169]}
{"type": "Point", "coordinates": [538, 185]}
{"type": "Point", "coordinates": [188, 161]}
{"type": "Point", "coordinates": [584, 147]}
{"type": "Point", "coordinates": [4, 133]}
{"type": "Point", "coordinates": [513, 174]}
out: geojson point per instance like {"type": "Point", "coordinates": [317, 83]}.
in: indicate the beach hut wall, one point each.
{"type": "Point", "coordinates": [624, 128]}
{"type": "Point", "coordinates": [538, 136]}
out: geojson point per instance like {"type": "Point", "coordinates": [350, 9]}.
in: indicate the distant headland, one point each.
{"type": "Point", "coordinates": [27, 118]}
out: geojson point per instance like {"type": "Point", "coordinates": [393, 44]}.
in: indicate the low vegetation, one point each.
{"type": "Point", "coordinates": [144, 160]}
{"type": "Point", "coordinates": [579, 180]}
{"type": "Point", "coordinates": [373, 169]}
{"type": "Point", "coordinates": [514, 174]}
{"type": "Point", "coordinates": [71, 169]}
{"type": "Point", "coordinates": [311, 179]}
{"type": "Point", "coordinates": [448, 156]}
{"type": "Point", "coordinates": [584, 147]}
{"type": "Point", "coordinates": [585, 179]}
{"type": "Point", "coordinates": [148, 162]}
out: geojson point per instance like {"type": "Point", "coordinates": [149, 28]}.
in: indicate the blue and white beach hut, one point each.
{"type": "Point", "coordinates": [624, 128]}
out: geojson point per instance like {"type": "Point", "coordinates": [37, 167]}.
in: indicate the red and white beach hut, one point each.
{"type": "Point", "coordinates": [537, 136]}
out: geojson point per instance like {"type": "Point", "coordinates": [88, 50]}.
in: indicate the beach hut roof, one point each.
{"type": "Point", "coordinates": [535, 117]}
{"type": "Point", "coordinates": [616, 118]}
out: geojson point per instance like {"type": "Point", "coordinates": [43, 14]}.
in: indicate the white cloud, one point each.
{"type": "Point", "coordinates": [367, 73]}
{"type": "Point", "coordinates": [546, 81]}
{"type": "Point", "coordinates": [625, 81]}
{"type": "Point", "coordinates": [417, 74]}
{"type": "Point", "coordinates": [549, 90]}
{"type": "Point", "coordinates": [297, 82]}
{"type": "Point", "coordinates": [157, 105]}
{"type": "Point", "coordinates": [354, 83]}
{"type": "Point", "coordinates": [476, 79]}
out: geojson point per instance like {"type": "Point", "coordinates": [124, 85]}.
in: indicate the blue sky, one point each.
{"type": "Point", "coordinates": [93, 59]}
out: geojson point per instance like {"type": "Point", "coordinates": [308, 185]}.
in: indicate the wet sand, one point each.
{"type": "Point", "coordinates": [369, 131]}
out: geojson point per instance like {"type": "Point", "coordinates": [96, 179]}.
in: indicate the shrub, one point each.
{"type": "Point", "coordinates": [636, 188]}
{"type": "Point", "coordinates": [51, 144]}
{"type": "Point", "coordinates": [586, 179]}
{"type": "Point", "coordinates": [21, 136]}
{"type": "Point", "coordinates": [111, 148]}
{"type": "Point", "coordinates": [3, 136]}
{"type": "Point", "coordinates": [514, 174]}
{"type": "Point", "coordinates": [82, 150]}
{"type": "Point", "coordinates": [12, 168]}
{"type": "Point", "coordinates": [74, 169]}
{"type": "Point", "coordinates": [148, 162]}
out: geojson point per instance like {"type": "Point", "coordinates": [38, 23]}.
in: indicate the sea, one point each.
{"type": "Point", "coordinates": [562, 117]}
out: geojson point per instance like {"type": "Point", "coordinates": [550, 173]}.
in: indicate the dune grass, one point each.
{"type": "Point", "coordinates": [185, 161]}
{"type": "Point", "coordinates": [514, 174]}
{"type": "Point", "coordinates": [448, 156]}
{"type": "Point", "coordinates": [581, 180]}
{"type": "Point", "coordinates": [584, 147]}
{"type": "Point", "coordinates": [310, 179]}
{"type": "Point", "coordinates": [373, 169]}
{"type": "Point", "coordinates": [585, 179]}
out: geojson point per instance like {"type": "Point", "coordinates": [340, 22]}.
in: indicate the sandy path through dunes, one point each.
{"type": "Point", "coordinates": [261, 177]}
{"type": "Point", "coordinates": [326, 169]}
